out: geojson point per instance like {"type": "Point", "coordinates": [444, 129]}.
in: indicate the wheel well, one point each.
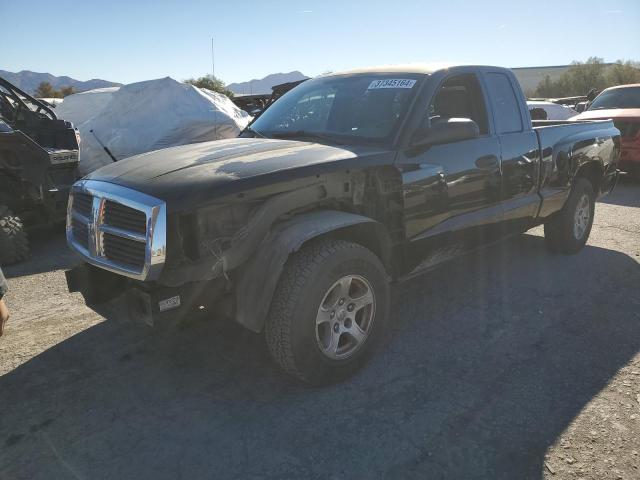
{"type": "Point", "coordinates": [372, 236]}
{"type": "Point", "coordinates": [593, 172]}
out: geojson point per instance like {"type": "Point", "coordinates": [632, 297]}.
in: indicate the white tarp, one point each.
{"type": "Point", "coordinates": [145, 116]}
{"type": "Point", "coordinates": [80, 107]}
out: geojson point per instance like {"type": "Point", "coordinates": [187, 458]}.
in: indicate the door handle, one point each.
{"type": "Point", "coordinates": [487, 162]}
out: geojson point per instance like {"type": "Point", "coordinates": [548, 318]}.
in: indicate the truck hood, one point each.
{"type": "Point", "coordinates": [187, 175]}
{"type": "Point", "coordinates": [617, 113]}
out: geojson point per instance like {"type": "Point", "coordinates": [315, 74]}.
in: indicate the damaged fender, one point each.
{"type": "Point", "coordinates": [256, 280]}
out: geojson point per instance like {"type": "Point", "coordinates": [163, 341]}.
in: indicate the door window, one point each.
{"type": "Point", "coordinates": [460, 96]}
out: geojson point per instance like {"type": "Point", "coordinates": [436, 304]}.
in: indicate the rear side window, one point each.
{"type": "Point", "coordinates": [505, 103]}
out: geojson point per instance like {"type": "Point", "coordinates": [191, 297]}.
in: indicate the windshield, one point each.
{"type": "Point", "coordinates": [628, 97]}
{"type": "Point", "coordinates": [367, 107]}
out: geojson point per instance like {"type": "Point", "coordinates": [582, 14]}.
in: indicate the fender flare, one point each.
{"type": "Point", "coordinates": [256, 280]}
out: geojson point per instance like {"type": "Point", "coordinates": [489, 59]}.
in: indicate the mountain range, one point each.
{"type": "Point", "coordinates": [263, 85]}
{"type": "Point", "coordinates": [29, 81]}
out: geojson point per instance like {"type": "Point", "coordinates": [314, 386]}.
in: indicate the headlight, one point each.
{"type": "Point", "coordinates": [209, 230]}
{"type": "Point", "coordinates": [222, 220]}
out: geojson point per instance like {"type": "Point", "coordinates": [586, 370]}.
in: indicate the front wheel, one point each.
{"type": "Point", "coordinates": [568, 231]}
{"type": "Point", "coordinates": [330, 306]}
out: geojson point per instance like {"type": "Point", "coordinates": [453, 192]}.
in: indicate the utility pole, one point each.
{"type": "Point", "coordinates": [213, 79]}
{"type": "Point", "coordinates": [213, 60]}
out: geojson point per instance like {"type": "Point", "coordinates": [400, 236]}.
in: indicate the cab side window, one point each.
{"type": "Point", "coordinates": [505, 103]}
{"type": "Point", "coordinates": [460, 96]}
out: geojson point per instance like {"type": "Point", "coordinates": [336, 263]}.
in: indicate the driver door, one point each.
{"type": "Point", "coordinates": [452, 191]}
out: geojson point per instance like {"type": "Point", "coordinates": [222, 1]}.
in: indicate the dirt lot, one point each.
{"type": "Point", "coordinates": [510, 363]}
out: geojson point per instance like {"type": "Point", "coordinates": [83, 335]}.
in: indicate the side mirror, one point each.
{"type": "Point", "coordinates": [446, 131]}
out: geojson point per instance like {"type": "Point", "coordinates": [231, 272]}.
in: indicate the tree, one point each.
{"type": "Point", "coordinates": [622, 73]}
{"type": "Point", "coordinates": [211, 83]}
{"type": "Point", "coordinates": [581, 77]}
{"type": "Point", "coordinates": [66, 91]}
{"type": "Point", "coordinates": [546, 88]}
{"type": "Point", "coordinates": [44, 90]}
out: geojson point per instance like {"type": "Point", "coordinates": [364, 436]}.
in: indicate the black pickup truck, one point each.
{"type": "Point", "coordinates": [347, 182]}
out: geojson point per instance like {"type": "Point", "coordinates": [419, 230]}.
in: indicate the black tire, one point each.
{"type": "Point", "coordinates": [14, 244]}
{"type": "Point", "coordinates": [560, 231]}
{"type": "Point", "coordinates": [290, 329]}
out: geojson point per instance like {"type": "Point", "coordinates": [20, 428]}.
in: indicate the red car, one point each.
{"type": "Point", "coordinates": [622, 105]}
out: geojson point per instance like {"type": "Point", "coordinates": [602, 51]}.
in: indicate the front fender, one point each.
{"type": "Point", "coordinates": [256, 280]}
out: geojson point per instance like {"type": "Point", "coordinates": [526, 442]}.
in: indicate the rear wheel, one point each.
{"type": "Point", "coordinates": [14, 244]}
{"type": "Point", "coordinates": [568, 231]}
{"type": "Point", "coordinates": [329, 308]}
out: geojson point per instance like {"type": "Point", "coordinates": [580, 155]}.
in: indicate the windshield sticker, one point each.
{"type": "Point", "coordinates": [392, 83]}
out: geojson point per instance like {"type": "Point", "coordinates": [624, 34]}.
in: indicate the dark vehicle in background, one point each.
{"type": "Point", "coordinates": [38, 165]}
{"type": "Point", "coordinates": [345, 183]}
{"type": "Point", "coordinates": [622, 104]}
{"type": "Point", "coordinates": [258, 103]}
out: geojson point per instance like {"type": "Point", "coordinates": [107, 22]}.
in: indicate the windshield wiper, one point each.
{"type": "Point", "coordinates": [306, 134]}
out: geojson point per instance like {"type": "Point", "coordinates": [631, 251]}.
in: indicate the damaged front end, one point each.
{"type": "Point", "coordinates": [146, 302]}
{"type": "Point", "coordinates": [162, 265]}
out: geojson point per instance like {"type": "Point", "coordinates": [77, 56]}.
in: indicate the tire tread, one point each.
{"type": "Point", "coordinates": [558, 230]}
{"type": "Point", "coordinates": [14, 243]}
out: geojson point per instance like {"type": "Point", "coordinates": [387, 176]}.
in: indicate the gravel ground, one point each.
{"type": "Point", "coordinates": [510, 363]}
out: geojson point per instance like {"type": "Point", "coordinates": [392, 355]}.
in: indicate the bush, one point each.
{"type": "Point", "coordinates": [581, 77]}
{"type": "Point", "coordinates": [46, 90]}
{"type": "Point", "coordinates": [211, 83]}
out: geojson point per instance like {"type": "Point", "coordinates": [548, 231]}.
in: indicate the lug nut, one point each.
{"type": "Point", "coordinates": [350, 307]}
{"type": "Point", "coordinates": [341, 301]}
{"type": "Point", "coordinates": [332, 314]}
{"type": "Point", "coordinates": [336, 327]}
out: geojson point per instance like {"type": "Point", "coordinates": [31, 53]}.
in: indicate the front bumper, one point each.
{"type": "Point", "coordinates": [114, 295]}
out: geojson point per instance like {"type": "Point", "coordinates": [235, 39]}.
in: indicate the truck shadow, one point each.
{"type": "Point", "coordinates": [626, 193]}
{"type": "Point", "coordinates": [489, 360]}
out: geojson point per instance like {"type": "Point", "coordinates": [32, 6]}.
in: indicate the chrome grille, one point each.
{"type": "Point", "coordinates": [126, 218]}
{"type": "Point", "coordinates": [80, 232]}
{"type": "Point", "coordinates": [123, 250]}
{"type": "Point", "coordinates": [117, 228]}
{"type": "Point", "coordinates": [82, 204]}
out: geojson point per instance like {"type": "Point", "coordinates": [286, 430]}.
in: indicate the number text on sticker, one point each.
{"type": "Point", "coordinates": [392, 83]}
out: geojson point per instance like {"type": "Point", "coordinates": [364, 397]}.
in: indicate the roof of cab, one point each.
{"type": "Point", "coordinates": [423, 68]}
{"type": "Point", "coordinates": [419, 68]}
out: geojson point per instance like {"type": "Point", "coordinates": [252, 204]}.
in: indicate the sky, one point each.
{"type": "Point", "coordinates": [128, 41]}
